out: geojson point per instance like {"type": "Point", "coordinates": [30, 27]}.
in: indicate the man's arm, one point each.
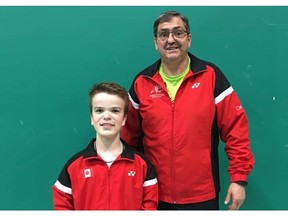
{"type": "Point", "coordinates": [131, 131]}
{"type": "Point", "coordinates": [236, 192]}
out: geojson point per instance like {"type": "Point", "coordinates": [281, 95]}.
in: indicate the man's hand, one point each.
{"type": "Point", "coordinates": [237, 193]}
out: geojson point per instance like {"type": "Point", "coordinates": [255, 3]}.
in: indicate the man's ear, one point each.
{"type": "Point", "coordinates": [189, 40]}
{"type": "Point", "coordinates": [155, 43]}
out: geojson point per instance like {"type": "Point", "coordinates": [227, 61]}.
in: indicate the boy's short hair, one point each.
{"type": "Point", "coordinates": [109, 88]}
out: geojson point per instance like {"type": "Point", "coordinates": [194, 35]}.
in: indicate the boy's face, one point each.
{"type": "Point", "coordinates": [107, 114]}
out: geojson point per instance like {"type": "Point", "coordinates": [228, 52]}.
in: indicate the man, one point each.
{"type": "Point", "coordinates": [108, 174]}
{"type": "Point", "coordinates": [179, 106]}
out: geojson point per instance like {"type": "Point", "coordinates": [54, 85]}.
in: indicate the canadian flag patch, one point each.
{"type": "Point", "coordinates": [87, 173]}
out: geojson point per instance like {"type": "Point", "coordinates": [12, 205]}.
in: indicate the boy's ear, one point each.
{"type": "Point", "coordinates": [91, 120]}
{"type": "Point", "coordinates": [124, 120]}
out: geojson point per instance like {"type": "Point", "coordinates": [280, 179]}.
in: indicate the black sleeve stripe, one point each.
{"type": "Point", "coordinates": [222, 82]}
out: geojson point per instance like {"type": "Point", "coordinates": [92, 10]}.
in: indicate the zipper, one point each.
{"type": "Point", "coordinates": [172, 152]}
{"type": "Point", "coordinates": [109, 187]}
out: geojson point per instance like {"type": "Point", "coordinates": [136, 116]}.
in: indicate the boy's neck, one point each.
{"type": "Point", "coordinates": [108, 150]}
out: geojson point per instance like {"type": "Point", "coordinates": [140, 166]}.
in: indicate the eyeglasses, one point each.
{"type": "Point", "coordinates": [178, 33]}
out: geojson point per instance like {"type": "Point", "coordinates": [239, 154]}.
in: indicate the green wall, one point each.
{"type": "Point", "coordinates": [50, 57]}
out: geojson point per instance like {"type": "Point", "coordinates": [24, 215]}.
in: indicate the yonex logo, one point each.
{"type": "Point", "coordinates": [131, 173]}
{"type": "Point", "coordinates": [196, 85]}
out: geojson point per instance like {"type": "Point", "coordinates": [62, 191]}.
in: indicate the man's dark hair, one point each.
{"type": "Point", "coordinates": [167, 16]}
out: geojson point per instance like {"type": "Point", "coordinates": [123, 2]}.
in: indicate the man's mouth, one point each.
{"type": "Point", "coordinates": [172, 48]}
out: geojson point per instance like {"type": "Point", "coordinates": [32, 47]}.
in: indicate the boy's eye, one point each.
{"type": "Point", "coordinates": [115, 110]}
{"type": "Point", "coordinates": [98, 110]}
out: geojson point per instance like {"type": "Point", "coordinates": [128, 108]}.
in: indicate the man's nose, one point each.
{"type": "Point", "coordinates": [171, 37]}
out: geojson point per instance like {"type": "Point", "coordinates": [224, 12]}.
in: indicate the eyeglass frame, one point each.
{"type": "Point", "coordinates": [173, 31]}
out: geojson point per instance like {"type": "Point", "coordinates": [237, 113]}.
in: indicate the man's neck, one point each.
{"type": "Point", "coordinates": [175, 67]}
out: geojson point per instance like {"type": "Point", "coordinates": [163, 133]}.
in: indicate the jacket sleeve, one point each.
{"type": "Point", "coordinates": [131, 131]}
{"type": "Point", "coordinates": [62, 192]}
{"type": "Point", "coordinates": [150, 189]}
{"type": "Point", "coordinates": [234, 130]}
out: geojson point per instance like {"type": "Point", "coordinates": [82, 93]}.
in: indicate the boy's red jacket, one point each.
{"type": "Point", "coordinates": [87, 183]}
{"type": "Point", "coordinates": [181, 138]}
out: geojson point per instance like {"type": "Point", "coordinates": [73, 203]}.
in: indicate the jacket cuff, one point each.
{"type": "Point", "coordinates": [243, 183]}
{"type": "Point", "coordinates": [239, 178]}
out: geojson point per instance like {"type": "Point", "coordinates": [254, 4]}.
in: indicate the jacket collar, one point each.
{"type": "Point", "coordinates": [90, 152]}
{"type": "Point", "coordinates": [197, 65]}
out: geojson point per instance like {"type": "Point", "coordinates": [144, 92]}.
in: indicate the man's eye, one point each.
{"type": "Point", "coordinates": [163, 34]}
{"type": "Point", "coordinates": [178, 33]}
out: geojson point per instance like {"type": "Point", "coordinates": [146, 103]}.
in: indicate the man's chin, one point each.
{"type": "Point", "coordinates": [173, 56]}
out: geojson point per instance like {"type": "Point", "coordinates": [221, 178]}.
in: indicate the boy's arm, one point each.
{"type": "Point", "coordinates": [62, 192]}
{"type": "Point", "coordinates": [150, 197]}
{"type": "Point", "coordinates": [150, 189]}
{"type": "Point", "coordinates": [61, 200]}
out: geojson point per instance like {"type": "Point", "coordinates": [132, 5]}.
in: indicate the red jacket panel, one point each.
{"type": "Point", "coordinates": [181, 138]}
{"type": "Point", "coordinates": [87, 183]}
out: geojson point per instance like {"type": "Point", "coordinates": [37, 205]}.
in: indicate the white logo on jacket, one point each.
{"type": "Point", "coordinates": [196, 85]}
{"type": "Point", "coordinates": [239, 107]}
{"type": "Point", "coordinates": [87, 173]}
{"type": "Point", "coordinates": [131, 173]}
{"type": "Point", "coordinates": [157, 92]}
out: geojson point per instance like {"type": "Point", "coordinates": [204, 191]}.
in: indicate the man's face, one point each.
{"type": "Point", "coordinates": [177, 41]}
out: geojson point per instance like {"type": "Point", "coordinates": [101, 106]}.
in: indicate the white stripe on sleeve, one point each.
{"type": "Point", "coordinates": [63, 188]}
{"type": "Point", "coordinates": [223, 95]}
{"type": "Point", "coordinates": [134, 104]}
{"type": "Point", "coordinates": [150, 182]}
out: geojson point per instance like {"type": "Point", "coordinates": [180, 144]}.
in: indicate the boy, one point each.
{"type": "Point", "coordinates": [108, 174]}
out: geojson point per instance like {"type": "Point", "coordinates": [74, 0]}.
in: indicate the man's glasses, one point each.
{"type": "Point", "coordinates": [177, 33]}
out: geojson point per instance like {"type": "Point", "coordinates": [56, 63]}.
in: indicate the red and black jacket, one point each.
{"type": "Point", "coordinates": [181, 138]}
{"type": "Point", "coordinates": [87, 183]}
